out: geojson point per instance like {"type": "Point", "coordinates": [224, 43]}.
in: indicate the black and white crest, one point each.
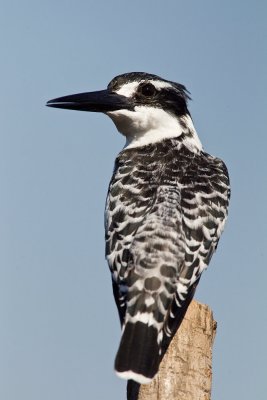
{"type": "Point", "coordinates": [165, 212]}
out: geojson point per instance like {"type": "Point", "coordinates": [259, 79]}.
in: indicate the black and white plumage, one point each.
{"type": "Point", "coordinates": [165, 212]}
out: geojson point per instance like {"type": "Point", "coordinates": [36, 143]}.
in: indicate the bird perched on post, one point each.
{"type": "Point", "coordinates": [165, 212]}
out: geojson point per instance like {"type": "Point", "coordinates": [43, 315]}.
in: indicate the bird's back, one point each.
{"type": "Point", "coordinates": [165, 211]}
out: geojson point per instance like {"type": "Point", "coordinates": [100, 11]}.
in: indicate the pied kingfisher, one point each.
{"type": "Point", "coordinates": [165, 211]}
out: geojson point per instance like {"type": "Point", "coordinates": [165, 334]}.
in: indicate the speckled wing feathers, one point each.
{"type": "Point", "coordinates": [165, 212]}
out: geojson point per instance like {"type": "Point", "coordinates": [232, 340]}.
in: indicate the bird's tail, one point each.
{"type": "Point", "coordinates": [138, 356]}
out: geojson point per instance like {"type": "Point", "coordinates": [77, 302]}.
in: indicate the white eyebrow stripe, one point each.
{"type": "Point", "coordinates": [128, 89]}
{"type": "Point", "coordinates": [161, 84]}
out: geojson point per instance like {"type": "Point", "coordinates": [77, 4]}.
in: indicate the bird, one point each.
{"type": "Point", "coordinates": [166, 208]}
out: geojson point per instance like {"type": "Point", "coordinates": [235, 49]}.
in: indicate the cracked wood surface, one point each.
{"type": "Point", "coordinates": [186, 370]}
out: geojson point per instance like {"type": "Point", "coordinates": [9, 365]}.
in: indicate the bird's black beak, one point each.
{"type": "Point", "coordinates": [101, 101]}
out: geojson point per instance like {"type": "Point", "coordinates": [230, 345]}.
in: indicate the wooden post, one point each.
{"type": "Point", "coordinates": [186, 370]}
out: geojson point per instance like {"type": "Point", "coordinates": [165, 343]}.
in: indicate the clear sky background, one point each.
{"type": "Point", "coordinates": [59, 325]}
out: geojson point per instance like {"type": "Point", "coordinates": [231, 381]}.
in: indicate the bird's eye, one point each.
{"type": "Point", "coordinates": [148, 90]}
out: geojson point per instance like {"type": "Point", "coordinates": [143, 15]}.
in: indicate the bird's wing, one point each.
{"type": "Point", "coordinates": [155, 256]}
{"type": "Point", "coordinates": [170, 249]}
{"type": "Point", "coordinates": [204, 206]}
{"type": "Point", "coordinates": [150, 285]}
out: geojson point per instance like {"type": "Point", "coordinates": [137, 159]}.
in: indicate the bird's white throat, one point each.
{"type": "Point", "coordinates": [146, 125]}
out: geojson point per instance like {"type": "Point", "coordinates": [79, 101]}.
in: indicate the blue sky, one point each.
{"type": "Point", "coordinates": [59, 326]}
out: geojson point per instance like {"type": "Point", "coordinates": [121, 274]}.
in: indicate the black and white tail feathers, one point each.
{"type": "Point", "coordinates": [142, 347]}
{"type": "Point", "coordinates": [138, 356]}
